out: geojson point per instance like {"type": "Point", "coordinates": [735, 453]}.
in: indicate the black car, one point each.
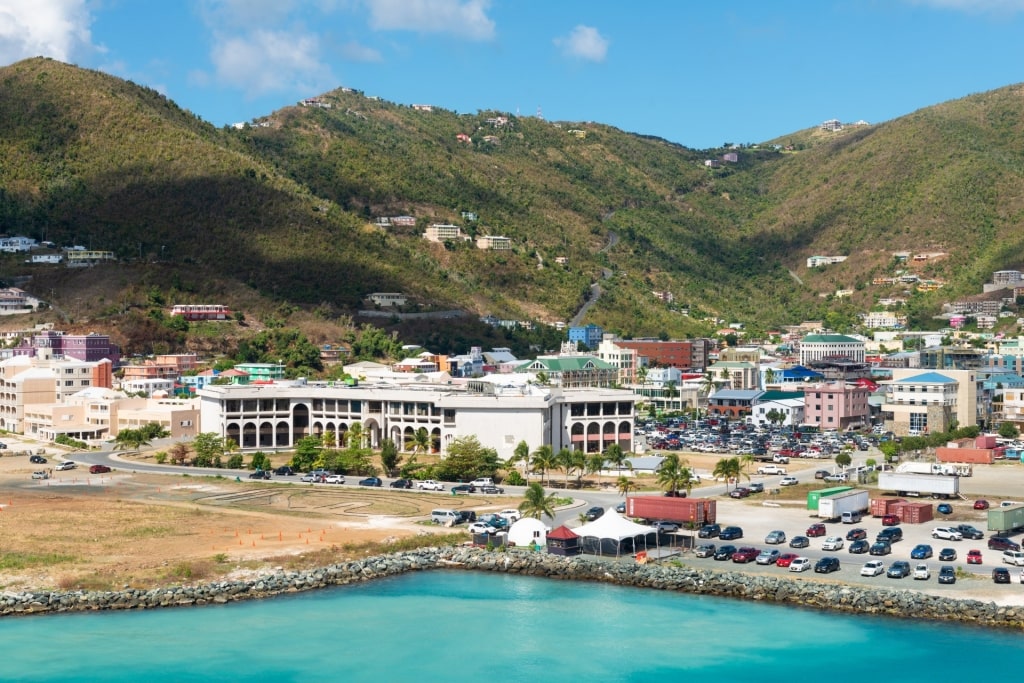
{"type": "Point", "coordinates": [284, 471]}
{"type": "Point", "coordinates": [968, 531]}
{"type": "Point", "coordinates": [880, 548]}
{"type": "Point", "coordinates": [260, 474]}
{"type": "Point", "coordinates": [621, 508]}
{"type": "Point", "coordinates": [859, 547]}
{"type": "Point", "coordinates": [38, 459]}
{"type": "Point", "coordinates": [491, 490]}
{"type": "Point", "coordinates": [890, 535]}
{"type": "Point", "coordinates": [370, 481]}
{"type": "Point", "coordinates": [826, 565]}
{"type": "Point", "coordinates": [1000, 575]}
{"type": "Point", "coordinates": [947, 555]}
{"type": "Point", "coordinates": [799, 542]}
{"type": "Point", "coordinates": [730, 533]}
{"type": "Point", "coordinates": [947, 574]}
{"type": "Point", "coordinates": [898, 570]}
{"type": "Point", "coordinates": [462, 488]}
{"type": "Point", "coordinates": [594, 512]}
{"type": "Point", "coordinates": [708, 530]}
{"type": "Point", "coordinates": [402, 484]}
{"type": "Point", "coordinates": [725, 552]}
{"type": "Point", "coordinates": [467, 516]}
{"type": "Point", "coordinates": [1002, 543]}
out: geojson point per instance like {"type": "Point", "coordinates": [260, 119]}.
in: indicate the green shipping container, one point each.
{"type": "Point", "coordinates": [1006, 519]}
{"type": "Point", "coordinates": [814, 496]}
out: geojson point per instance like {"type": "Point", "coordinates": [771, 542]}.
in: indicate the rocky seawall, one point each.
{"type": "Point", "coordinates": [824, 595]}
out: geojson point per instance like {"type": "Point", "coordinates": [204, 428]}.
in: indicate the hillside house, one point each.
{"type": "Point", "coordinates": [388, 299]}
{"type": "Point", "coordinates": [444, 232]}
{"type": "Point", "coordinates": [494, 243]}
{"type": "Point", "coordinates": [815, 261]}
{"type": "Point", "coordinates": [84, 258]}
{"type": "Point", "coordinates": [17, 243]}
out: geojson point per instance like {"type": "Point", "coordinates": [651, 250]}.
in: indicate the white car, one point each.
{"type": "Point", "coordinates": [429, 485]}
{"type": "Point", "coordinates": [481, 528]}
{"type": "Point", "coordinates": [800, 564]}
{"type": "Point", "coordinates": [771, 469]}
{"type": "Point", "coordinates": [832, 543]}
{"type": "Point", "coordinates": [66, 465]}
{"type": "Point", "coordinates": [40, 475]}
{"type": "Point", "coordinates": [512, 515]}
{"type": "Point", "coordinates": [873, 568]}
{"type": "Point", "coordinates": [947, 533]}
{"type": "Point", "coordinates": [334, 479]}
{"type": "Point", "coordinates": [789, 481]}
{"type": "Point", "coordinates": [921, 572]}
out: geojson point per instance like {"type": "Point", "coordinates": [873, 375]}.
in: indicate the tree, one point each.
{"type": "Point", "coordinates": [616, 456]}
{"type": "Point", "coordinates": [521, 455]}
{"type": "Point", "coordinates": [131, 439]}
{"type": "Point", "coordinates": [307, 453]}
{"type": "Point", "coordinates": [420, 441]}
{"type": "Point", "coordinates": [595, 463]}
{"type": "Point", "coordinates": [1008, 430]}
{"type": "Point", "coordinates": [178, 453]}
{"type": "Point", "coordinates": [389, 457]}
{"type": "Point", "coordinates": [153, 430]}
{"type": "Point", "coordinates": [260, 461]}
{"type": "Point", "coordinates": [775, 416]}
{"type": "Point", "coordinates": [209, 449]}
{"type": "Point", "coordinates": [467, 459]}
{"type": "Point", "coordinates": [843, 459]}
{"type": "Point", "coordinates": [672, 472]}
{"type": "Point", "coordinates": [769, 378]}
{"type": "Point", "coordinates": [355, 433]}
{"type": "Point", "coordinates": [728, 469]}
{"type": "Point", "coordinates": [641, 375]}
{"type": "Point", "coordinates": [543, 460]}
{"type": "Point", "coordinates": [536, 503]}
{"type": "Point", "coordinates": [624, 485]}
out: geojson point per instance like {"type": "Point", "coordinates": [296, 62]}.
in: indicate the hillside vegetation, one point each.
{"type": "Point", "coordinates": [279, 216]}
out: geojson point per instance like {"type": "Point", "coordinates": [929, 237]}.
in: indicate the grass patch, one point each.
{"type": "Point", "coordinates": [17, 560]}
{"type": "Point", "coordinates": [150, 532]}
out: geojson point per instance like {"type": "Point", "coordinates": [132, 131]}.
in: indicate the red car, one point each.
{"type": "Point", "coordinates": [745, 554]}
{"type": "Point", "coordinates": [98, 469]}
{"type": "Point", "coordinates": [786, 559]}
{"type": "Point", "coordinates": [817, 529]}
{"type": "Point", "coordinates": [973, 557]}
{"type": "Point", "coordinates": [981, 505]}
{"type": "Point", "coordinates": [890, 520]}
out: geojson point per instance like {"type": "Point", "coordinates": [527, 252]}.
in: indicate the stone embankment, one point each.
{"type": "Point", "coordinates": [814, 594]}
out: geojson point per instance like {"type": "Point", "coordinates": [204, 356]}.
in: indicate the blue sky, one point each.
{"type": "Point", "coordinates": [697, 72]}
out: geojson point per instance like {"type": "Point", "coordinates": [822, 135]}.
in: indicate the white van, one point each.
{"type": "Point", "coordinates": [1014, 557]}
{"type": "Point", "coordinates": [851, 517]}
{"type": "Point", "coordinates": [445, 517]}
{"type": "Point", "coordinates": [481, 482]}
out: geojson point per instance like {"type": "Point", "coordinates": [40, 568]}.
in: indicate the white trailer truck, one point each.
{"type": "Point", "coordinates": [833, 507]}
{"type": "Point", "coordinates": [908, 484]}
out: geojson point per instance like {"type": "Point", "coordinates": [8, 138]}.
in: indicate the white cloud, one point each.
{"type": "Point", "coordinates": [465, 18]}
{"type": "Point", "coordinates": [975, 6]}
{"type": "Point", "coordinates": [584, 42]}
{"type": "Point", "coordinates": [51, 28]}
{"type": "Point", "coordinates": [263, 62]}
{"type": "Point", "coordinates": [356, 52]}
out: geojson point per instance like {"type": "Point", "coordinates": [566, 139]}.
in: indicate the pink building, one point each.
{"type": "Point", "coordinates": [836, 405]}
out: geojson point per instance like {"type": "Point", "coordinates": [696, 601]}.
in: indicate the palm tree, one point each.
{"type": "Point", "coordinates": [769, 376]}
{"type": "Point", "coordinates": [625, 485]}
{"type": "Point", "coordinates": [567, 460]}
{"type": "Point", "coordinates": [522, 455]}
{"type": "Point", "coordinates": [355, 433]}
{"type": "Point", "coordinates": [543, 460]}
{"type": "Point", "coordinates": [419, 441]}
{"type": "Point", "coordinates": [616, 456]}
{"type": "Point", "coordinates": [131, 439]}
{"type": "Point", "coordinates": [595, 463]}
{"type": "Point", "coordinates": [671, 473]}
{"type": "Point", "coordinates": [641, 375]}
{"type": "Point", "coordinates": [536, 502]}
{"type": "Point", "coordinates": [746, 460]}
{"type": "Point", "coordinates": [728, 469]}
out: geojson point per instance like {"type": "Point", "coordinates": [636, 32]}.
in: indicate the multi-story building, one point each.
{"type": "Point", "coordinates": [26, 381]}
{"type": "Point", "coordinates": [917, 404]}
{"type": "Point", "coordinates": [883, 320]}
{"type": "Point", "coordinates": [815, 347]}
{"type": "Point", "coordinates": [625, 359]}
{"type": "Point", "coordinates": [95, 415]}
{"type": "Point", "coordinates": [735, 375]}
{"type": "Point", "coordinates": [572, 372]}
{"type": "Point", "coordinates": [588, 335]}
{"type": "Point", "coordinates": [836, 405]}
{"type": "Point", "coordinates": [689, 355]}
{"type": "Point", "coordinates": [494, 243]}
{"type": "Point", "coordinates": [261, 372]}
{"type": "Point", "coordinates": [735, 404]}
{"type": "Point", "coordinates": [84, 347]}
{"type": "Point", "coordinates": [444, 232]}
{"type": "Point", "coordinates": [499, 412]}
{"type": "Point", "coordinates": [787, 404]}
{"type": "Point", "coordinates": [149, 387]}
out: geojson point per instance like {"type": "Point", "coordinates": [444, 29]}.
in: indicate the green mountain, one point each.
{"type": "Point", "coordinates": [282, 212]}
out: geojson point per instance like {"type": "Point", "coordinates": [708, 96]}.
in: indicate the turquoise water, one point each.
{"type": "Point", "coordinates": [466, 626]}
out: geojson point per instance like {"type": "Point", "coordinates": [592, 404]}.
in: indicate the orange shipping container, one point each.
{"type": "Point", "coordinates": [971, 455]}
{"type": "Point", "coordinates": [914, 513]}
{"type": "Point", "coordinates": [881, 507]}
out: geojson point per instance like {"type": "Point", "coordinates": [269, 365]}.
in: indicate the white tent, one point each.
{"type": "Point", "coordinates": [528, 530]}
{"type": "Point", "coordinates": [609, 533]}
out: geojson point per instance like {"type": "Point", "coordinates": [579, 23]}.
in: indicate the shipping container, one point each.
{"type": "Point", "coordinates": [985, 441]}
{"type": "Point", "coordinates": [914, 513]}
{"type": "Point", "coordinates": [832, 507]}
{"type": "Point", "coordinates": [1006, 519]}
{"type": "Point", "coordinates": [880, 507]}
{"type": "Point", "coordinates": [671, 509]}
{"type": "Point", "coordinates": [814, 496]}
{"type": "Point", "coordinates": [967, 455]}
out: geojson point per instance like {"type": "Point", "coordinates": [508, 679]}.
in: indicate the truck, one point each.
{"type": "Point", "coordinates": [771, 469]}
{"type": "Point", "coordinates": [1003, 519]}
{"type": "Point", "coordinates": [695, 511]}
{"type": "Point", "coordinates": [906, 484]}
{"type": "Point", "coordinates": [833, 507]}
{"type": "Point", "coordinates": [944, 468]}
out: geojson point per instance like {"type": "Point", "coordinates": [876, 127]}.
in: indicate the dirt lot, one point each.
{"type": "Point", "coordinates": [109, 531]}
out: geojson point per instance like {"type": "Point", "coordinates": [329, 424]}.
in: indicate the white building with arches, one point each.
{"type": "Point", "coordinates": [500, 411]}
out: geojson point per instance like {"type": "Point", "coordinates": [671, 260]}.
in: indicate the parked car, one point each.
{"type": "Point", "coordinates": [334, 479]}
{"type": "Point", "coordinates": [768, 556]}
{"type": "Point", "coordinates": [708, 530]}
{"type": "Point", "coordinates": [284, 471]}
{"type": "Point", "coordinates": [827, 565]}
{"type": "Point", "coordinates": [800, 564]}
{"type": "Point", "coordinates": [872, 568]}
{"type": "Point", "coordinates": [745, 554]}
{"type": "Point", "coordinates": [481, 528]}
{"type": "Point", "coordinates": [890, 520]}
{"type": "Point", "coordinates": [947, 555]}
{"type": "Point", "coordinates": [880, 548]}
{"type": "Point", "coordinates": [981, 504]}
{"type": "Point", "coordinates": [463, 489]}
{"type": "Point", "coordinates": [856, 534]}
{"type": "Point", "coordinates": [429, 485]}
{"type": "Point", "coordinates": [491, 490]}
{"type": "Point", "coordinates": [974, 557]}
{"type": "Point", "coordinates": [799, 542]}
{"type": "Point", "coordinates": [944, 509]}
{"type": "Point", "coordinates": [705, 550]}
{"type": "Point", "coordinates": [921, 572]}
{"type": "Point", "coordinates": [1002, 543]}
{"type": "Point", "coordinates": [832, 543]}
{"type": "Point", "coordinates": [255, 474]}
{"type": "Point", "coordinates": [739, 492]}
{"type": "Point", "coordinates": [968, 531]}
{"type": "Point", "coordinates": [309, 477]}
{"type": "Point", "coordinates": [840, 478]}
{"type": "Point", "coordinates": [103, 469]}
{"type": "Point", "coordinates": [775, 537]}
{"type": "Point", "coordinates": [898, 570]}
{"type": "Point", "coordinates": [785, 559]}
{"type": "Point", "coordinates": [730, 533]}
{"type": "Point", "coordinates": [893, 534]}
{"type": "Point", "coordinates": [946, 533]}
{"type": "Point", "coordinates": [66, 465]}
{"type": "Point", "coordinates": [621, 508]}
{"type": "Point", "coordinates": [665, 527]}
{"type": "Point", "coordinates": [40, 474]}
{"type": "Point", "coordinates": [756, 487]}
{"type": "Point", "coordinates": [511, 514]}
{"type": "Point", "coordinates": [921, 551]}
{"type": "Point", "coordinates": [816, 529]}
{"type": "Point", "coordinates": [859, 547]}
{"type": "Point", "coordinates": [725, 552]}
{"type": "Point", "coordinates": [467, 516]}
{"type": "Point", "coordinates": [401, 484]}
{"type": "Point", "coordinates": [821, 474]}
{"type": "Point", "coordinates": [947, 574]}
{"type": "Point", "coordinates": [788, 481]}
{"type": "Point", "coordinates": [594, 513]}
{"type": "Point", "coordinates": [1014, 557]}
{"type": "Point", "coordinates": [370, 481]}
{"type": "Point", "coordinates": [37, 459]}
{"type": "Point", "coordinates": [1000, 575]}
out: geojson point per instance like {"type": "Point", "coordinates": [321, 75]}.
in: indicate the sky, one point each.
{"type": "Point", "coordinates": [701, 73]}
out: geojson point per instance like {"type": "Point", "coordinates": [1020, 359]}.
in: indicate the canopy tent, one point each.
{"type": "Point", "coordinates": [562, 541]}
{"type": "Point", "coordinates": [613, 534]}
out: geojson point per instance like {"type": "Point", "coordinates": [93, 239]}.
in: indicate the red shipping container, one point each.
{"type": "Point", "coordinates": [968, 455]}
{"type": "Point", "coordinates": [985, 441]}
{"type": "Point", "coordinates": [880, 507]}
{"type": "Point", "coordinates": [914, 513]}
{"type": "Point", "coordinates": [681, 510]}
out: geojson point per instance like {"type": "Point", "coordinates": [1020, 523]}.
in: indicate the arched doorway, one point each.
{"type": "Point", "coordinates": [300, 422]}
